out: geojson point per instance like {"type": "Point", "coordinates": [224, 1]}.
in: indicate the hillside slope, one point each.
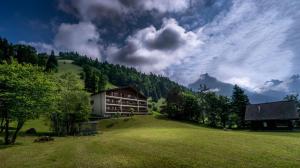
{"type": "Point", "coordinates": [152, 85]}
{"type": "Point", "coordinates": [67, 65]}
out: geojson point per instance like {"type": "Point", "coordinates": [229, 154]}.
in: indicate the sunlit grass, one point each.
{"type": "Point", "coordinates": [65, 66]}
{"type": "Point", "coordinates": [144, 141]}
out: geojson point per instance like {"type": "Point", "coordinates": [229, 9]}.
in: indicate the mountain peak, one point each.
{"type": "Point", "coordinates": [225, 89]}
{"type": "Point", "coordinates": [213, 84]}
{"type": "Point", "coordinates": [205, 77]}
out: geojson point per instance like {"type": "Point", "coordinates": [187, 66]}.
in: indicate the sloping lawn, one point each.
{"type": "Point", "coordinates": [144, 141]}
{"type": "Point", "coordinates": [65, 66]}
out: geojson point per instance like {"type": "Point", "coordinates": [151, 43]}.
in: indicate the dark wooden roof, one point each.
{"type": "Point", "coordinates": [122, 88]}
{"type": "Point", "coordinates": [282, 110]}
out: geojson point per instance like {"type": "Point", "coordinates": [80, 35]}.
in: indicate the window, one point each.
{"type": "Point", "coordinates": [258, 108]}
{"type": "Point", "coordinates": [265, 124]}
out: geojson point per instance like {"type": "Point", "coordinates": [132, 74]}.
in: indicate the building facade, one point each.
{"type": "Point", "coordinates": [119, 101]}
{"type": "Point", "coordinates": [273, 115]}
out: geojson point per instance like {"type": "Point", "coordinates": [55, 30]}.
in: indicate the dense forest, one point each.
{"type": "Point", "coordinates": [21, 53]}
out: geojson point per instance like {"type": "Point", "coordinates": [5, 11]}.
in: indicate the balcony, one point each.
{"type": "Point", "coordinates": [142, 103]}
{"type": "Point", "coordinates": [113, 109]}
{"type": "Point", "coordinates": [113, 101]}
{"type": "Point", "coordinates": [129, 109]}
{"type": "Point", "coordinates": [129, 102]}
{"type": "Point", "coordinates": [143, 109]}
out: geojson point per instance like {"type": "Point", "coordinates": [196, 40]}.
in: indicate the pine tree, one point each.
{"type": "Point", "coordinates": [87, 78]}
{"type": "Point", "coordinates": [94, 83]}
{"type": "Point", "coordinates": [52, 63]}
{"type": "Point", "coordinates": [6, 51]}
{"type": "Point", "coordinates": [239, 102]}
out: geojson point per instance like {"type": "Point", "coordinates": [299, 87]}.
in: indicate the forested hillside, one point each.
{"type": "Point", "coordinates": [151, 85]}
{"type": "Point", "coordinates": [22, 53]}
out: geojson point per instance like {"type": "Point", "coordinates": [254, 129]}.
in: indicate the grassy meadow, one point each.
{"type": "Point", "coordinates": [144, 141]}
{"type": "Point", "coordinates": [65, 66]}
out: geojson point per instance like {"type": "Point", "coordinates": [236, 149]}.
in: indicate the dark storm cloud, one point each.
{"type": "Point", "coordinates": [273, 82]}
{"type": "Point", "coordinates": [97, 9]}
{"type": "Point", "coordinates": [91, 10]}
{"type": "Point", "coordinates": [153, 50]}
{"type": "Point", "coordinates": [168, 39]}
{"type": "Point", "coordinates": [129, 3]}
{"type": "Point", "coordinates": [128, 56]}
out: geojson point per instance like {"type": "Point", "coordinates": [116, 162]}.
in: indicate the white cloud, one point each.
{"type": "Point", "coordinates": [152, 50]}
{"type": "Point", "coordinates": [82, 38]}
{"type": "Point", "coordinates": [40, 47]}
{"type": "Point", "coordinates": [244, 46]}
{"type": "Point", "coordinates": [166, 5]}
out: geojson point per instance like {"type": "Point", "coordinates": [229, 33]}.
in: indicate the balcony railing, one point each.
{"type": "Point", "coordinates": [142, 104]}
{"type": "Point", "coordinates": [127, 102]}
{"type": "Point", "coordinates": [122, 95]}
{"type": "Point", "coordinates": [113, 102]}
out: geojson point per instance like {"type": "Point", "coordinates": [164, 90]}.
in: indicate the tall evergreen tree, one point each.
{"type": "Point", "coordinates": [42, 59]}
{"type": "Point", "coordinates": [224, 105]}
{"type": "Point", "coordinates": [94, 80]}
{"type": "Point", "coordinates": [239, 102]}
{"type": "Point", "coordinates": [25, 54]}
{"type": "Point", "coordinates": [94, 83]}
{"type": "Point", "coordinates": [102, 80]}
{"type": "Point", "coordinates": [212, 108]}
{"type": "Point", "coordinates": [87, 73]}
{"type": "Point", "coordinates": [52, 63]}
{"type": "Point", "coordinates": [6, 50]}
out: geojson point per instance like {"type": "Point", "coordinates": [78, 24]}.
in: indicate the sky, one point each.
{"type": "Point", "coordinates": [252, 43]}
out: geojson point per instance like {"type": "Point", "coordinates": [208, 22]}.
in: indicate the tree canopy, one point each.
{"type": "Point", "coordinates": [51, 64]}
{"type": "Point", "coordinates": [207, 107]}
{"type": "Point", "coordinates": [25, 92]}
{"type": "Point", "coordinates": [74, 105]}
{"type": "Point", "coordinates": [239, 102]}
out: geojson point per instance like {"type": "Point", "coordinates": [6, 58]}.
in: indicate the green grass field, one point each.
{"type": "Point", "coordinates": [145, 141]}
{"type": "Point", "coordinates": [65, 66]}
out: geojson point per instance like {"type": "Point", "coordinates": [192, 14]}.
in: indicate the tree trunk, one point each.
{"type": "Point", "coordinates": [1, 125]}
{"type": "Point", "coordinates": [19, 126]}
{"type": "Point", "coordinates": [6, 139]}
{"type": "Point", "coordinates": [224, 124]}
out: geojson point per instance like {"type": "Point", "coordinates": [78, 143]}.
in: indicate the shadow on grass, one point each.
{"type": "Point", "coordinates": [4, 146]}
{"type": "Point", "coordinates": [23, 134]}
{"type": "Point", "coordinates": [278, 130]}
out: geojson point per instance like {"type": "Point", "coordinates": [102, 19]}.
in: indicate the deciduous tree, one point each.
{"type": "Point", "coordinates": [74, 105]}
{"type": "Point", "coordinates": [26, 92]}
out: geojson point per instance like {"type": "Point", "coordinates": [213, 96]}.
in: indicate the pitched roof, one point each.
{"type": "Point", "coordinates": [121, 88]}
{"type": "Point", "coordinates": [282, 110]}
